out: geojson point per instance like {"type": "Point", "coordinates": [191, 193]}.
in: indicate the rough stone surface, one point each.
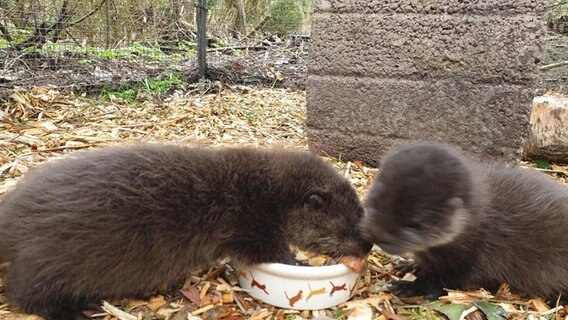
{"type": "Point", "coordinates": [497, 7]}
{"type": "Point", "coordinates": [549, 129]}
{"type": "Point", "coordinates": [385, 71]}
{"type": "Point", "coordinates": [479, 49]}
{"type": "Point", "coordinates": [476, 116]}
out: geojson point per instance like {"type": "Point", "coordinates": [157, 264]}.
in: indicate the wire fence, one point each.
{"type": "Point", "coordinates": [110, 40]}
{"type": "Point", "coordinates": [149, 28]}
{"type": "Point", "coordinates": [558, 16]}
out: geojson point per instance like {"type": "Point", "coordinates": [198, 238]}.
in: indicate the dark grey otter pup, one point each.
{"type": "Point", "coordinates": [122, 221]}
{"type": "Point", "coordinates": [469, 225]}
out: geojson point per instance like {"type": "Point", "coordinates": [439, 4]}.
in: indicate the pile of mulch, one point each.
{"type": "Point", "coordinates": [41, 124]}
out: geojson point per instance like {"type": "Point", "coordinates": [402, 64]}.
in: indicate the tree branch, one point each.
{"type": "Point", "coordinates": [38, 38]}
{"type": "Point", "coordinates": [5, 32]}
{"type": "Point", "coordinates": [58, 26]}
{"type": "Point", "coordinates": [97, 8]}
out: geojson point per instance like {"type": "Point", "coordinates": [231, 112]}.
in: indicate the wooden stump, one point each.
{"type": "Point", "coordinates": [549, 129]}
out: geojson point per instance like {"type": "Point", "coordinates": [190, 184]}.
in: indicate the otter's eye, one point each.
{"type": "Point", "coordinates": [413, 225]}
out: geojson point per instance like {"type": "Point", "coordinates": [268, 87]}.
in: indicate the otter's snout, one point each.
{"type": "Point", "coordinates": [372, 231]}
{"type": "Point", "coordinates": [358, 247]}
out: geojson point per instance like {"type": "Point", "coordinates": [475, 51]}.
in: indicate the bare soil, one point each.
{"type": "Point", "coordinates": [272, 62]}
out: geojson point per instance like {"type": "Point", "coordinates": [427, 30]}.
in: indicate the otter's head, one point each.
{"type": "Point", "coordinates": [419, 199]}
{"type": "Point", "coordinates": [326, 221]}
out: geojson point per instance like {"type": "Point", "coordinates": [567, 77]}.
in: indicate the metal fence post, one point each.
{"type": "Point", "coordinates": [202, 37]}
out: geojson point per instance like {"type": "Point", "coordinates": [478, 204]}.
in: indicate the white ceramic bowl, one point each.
{"type": "Point", "coordinates": [299, 287]}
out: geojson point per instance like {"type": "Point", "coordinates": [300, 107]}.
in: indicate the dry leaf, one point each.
{"type": "Point", "coordinates": [156, 302]}
{"type": "Point", "coordinates": [539, 305]}
{"type": "Point", "coordinates": [192, 294]}
{"type": "Point", "coordinates": [361, 312]}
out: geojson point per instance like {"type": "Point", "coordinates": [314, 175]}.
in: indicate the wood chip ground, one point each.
{"type": "Point", "coordinates": [41, 124]}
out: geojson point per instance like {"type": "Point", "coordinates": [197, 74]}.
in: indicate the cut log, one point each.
{"type": "Point", "coordinates": [549, 129]}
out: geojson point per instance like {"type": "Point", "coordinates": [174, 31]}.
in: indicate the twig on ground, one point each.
{"type": "Point", "coordinates": [237, 48]}
{"type": "Point", "coordinates": [66, 148]}
{"type": "Point", "coordinates": [554, 65]}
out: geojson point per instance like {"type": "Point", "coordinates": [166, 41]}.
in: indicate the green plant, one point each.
{"type": "Point", "coordinates": [541, 164]}
{"type": "Point", "coordinates": [136, 92]}
{"type": "Point", "coordinates": [285, 16]}
{"type": "Point", "coordinates": [420, 313]}
{"type": "Point", "coordinates": [342, 314]}
{"type": "Point", "coordinates": [545, 61]}
{"type": "Point", "coordinates": [160, 87]}
{"type": "Point", "coordinates": [135, 51]}
{"type": "Point", "coordinates": [237, 52]}
{"type": "Point", "coordinates": [125, 93]}
{"type": "Point", "coordinates": [4, 44]}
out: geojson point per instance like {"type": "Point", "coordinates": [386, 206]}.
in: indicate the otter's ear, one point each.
{"type": "Point", "coordinates": [317, 200]}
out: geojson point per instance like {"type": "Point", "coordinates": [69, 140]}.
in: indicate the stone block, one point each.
{"type": "Point", "coordinates": [383, 71]}
{"type": "Point", "coordinates": [348, 145]}
{"type": "Point", "coordinates": [496, 7]}
{"type": "Point", "coordinates": [488, 120]}
{"type": "Point", "coordinates": [479, 49]}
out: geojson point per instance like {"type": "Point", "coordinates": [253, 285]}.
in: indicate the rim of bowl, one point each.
{"type": "Point", "coordinates": [304, 272]}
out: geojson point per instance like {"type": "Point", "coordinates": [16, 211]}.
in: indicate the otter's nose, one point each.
{"type": "Point", "coordinates": [358, 248]}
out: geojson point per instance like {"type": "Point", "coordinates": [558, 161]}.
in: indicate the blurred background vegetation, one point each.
{"type": "Point", "coordinates": [558, 15]}
{"type": "Point", "coordinates": [167, 23]}
{"type": "Point", "coordinates": [127, 28]}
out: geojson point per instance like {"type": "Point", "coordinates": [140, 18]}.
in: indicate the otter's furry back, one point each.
{"type": "Point", "coordinates": [121, 221]}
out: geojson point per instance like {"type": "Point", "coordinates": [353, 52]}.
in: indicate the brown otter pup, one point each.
{"type": "Point", "coordinates": [122, 221]}
{"type": "Point", "coordinates": [469, 225]}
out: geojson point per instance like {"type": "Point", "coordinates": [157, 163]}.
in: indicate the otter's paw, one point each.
{"type": "Point", "coordinates": [405, 266]}
{"type": "Point", "coordinates": [406, 289]}
{"type": "Point", "coordinates": [66, 314]}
